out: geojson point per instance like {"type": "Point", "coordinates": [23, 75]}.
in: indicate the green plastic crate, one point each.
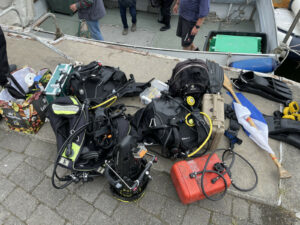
{"type": "Point", "coordinates": [61, 6]}
{"type": "Point", "coordinates": [235, 44]}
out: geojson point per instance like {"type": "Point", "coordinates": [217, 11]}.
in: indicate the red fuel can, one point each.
{"type": "Point", "coordinates": [189, 189]}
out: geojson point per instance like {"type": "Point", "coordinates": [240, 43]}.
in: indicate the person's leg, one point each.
{"type": "Point", "coordinates": [4, 67]}
{"type": "Point", "coordinates": [186, 37]}
{"type": "Point", "coordinates": [123, 16]}
{"type": "Point", "coordinates": [132, 11]}
{"type": "Point", "coordinates": [94, 28]}
{"type": "Point", "coordinates": [166, 13]}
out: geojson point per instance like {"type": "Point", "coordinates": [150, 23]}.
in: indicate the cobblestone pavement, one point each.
{"type": "Point", "coordinates": [27, 196]}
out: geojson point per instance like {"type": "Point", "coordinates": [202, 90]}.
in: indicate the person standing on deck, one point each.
{"type": "Point", "coordinates": [91, 11]}
{"type": "Point", "coordinates": [191, 16]}
{"type": "Point", "coordinates": [165, 11]}
{"type": "Point", "coordinates": [123, 5]}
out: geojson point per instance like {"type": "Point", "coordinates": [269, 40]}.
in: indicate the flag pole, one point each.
{"type": "Point", "coordinates": [283, 173]}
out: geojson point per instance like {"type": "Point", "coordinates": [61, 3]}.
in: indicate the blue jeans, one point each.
{"type": "Point", "coordinates": [94, 28]}
{"type": "Point", "coordinates": [132, 11]}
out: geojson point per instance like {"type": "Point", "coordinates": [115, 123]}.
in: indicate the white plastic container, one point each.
{"type": "Point", "coordinates": [154, 91]}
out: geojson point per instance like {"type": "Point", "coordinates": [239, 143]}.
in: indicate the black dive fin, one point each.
{"type": "Point", "coordinates": [267, 87]}
{"type": "Point", "coordinates": [284, 130]}
{"type": "Point", "coordinates": [216, 76]}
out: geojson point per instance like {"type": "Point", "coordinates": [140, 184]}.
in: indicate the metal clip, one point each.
{"type": "Point", "coordinates": [152, 121]}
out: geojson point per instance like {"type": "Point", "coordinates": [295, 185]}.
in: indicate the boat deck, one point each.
{"type": "Point", "coordinates": [147, 33]}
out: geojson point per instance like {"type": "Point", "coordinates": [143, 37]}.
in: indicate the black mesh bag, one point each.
{"type": "Point", "coordinates": [190, 77]}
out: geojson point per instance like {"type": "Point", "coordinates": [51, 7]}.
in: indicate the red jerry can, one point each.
{"type": "Point", "coordinates": [189, 189]}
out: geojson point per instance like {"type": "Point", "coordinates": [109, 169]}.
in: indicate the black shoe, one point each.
{"type": "Point", "coordinates": [160, 21]}
{"type": "Point", "coordinates": [164, 28]}
{"type": "Point", "coordinates": [197, 49]}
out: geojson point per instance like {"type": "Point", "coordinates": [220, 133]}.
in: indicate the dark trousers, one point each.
{"type": "Point", "coordinates": [132, 11]}
{"type": "Point", "coordinates": [165, 11]}
{"type": "Point", "coordinates": [4, 67]}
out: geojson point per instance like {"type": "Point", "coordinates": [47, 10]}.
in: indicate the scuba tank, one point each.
{"type": "Point", "coordinates": [128, 172]}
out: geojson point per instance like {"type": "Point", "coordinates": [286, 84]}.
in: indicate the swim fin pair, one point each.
{"type": "Point", "coordinates": [267, 87]}
{"type": "Point", "coordinates": [284, 130]}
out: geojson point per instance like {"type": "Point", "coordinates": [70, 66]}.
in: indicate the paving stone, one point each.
{"type": "Point", "coordinates": [41, 150]}
{"type": "Point", "coordinates": [37, 163]}
{"type": "Point", "coordinates": [255, 214]}
{"type": "Point", "coordinates": [222, 206]}
{"type": "Point", "coordinates": [100, 218]}
{"type": "Point", "coordinates": [173, 211]}
{"type": "Point", "coordinates": [130, 214]}
{"type": "Point", "coordinates": [4, 214]}
{"type": "Point", "coordinates": [44, 215]}
{"type": "Point", "coordinates": [75, 210]}
{"type": "Point", "coordinates": [106, 203]}
{"type": "Point", "coordinates": [2, 133]}
{"type": "Point", "coordinates": [218, 219]}
{"type": "Point", "coordinates": [242, 222]}
{"type": "Point", "coordinates": [20, 203]}
{"type": "Point", "coordinates": [154, 221]}
{"type": "Point", "coordinates": [49, 170]}
{"type": "Point", "coordinates": [196, 215]}
{"type": "Point", "coordinates": [90, 190]}
{"type": "Point", "coordinates": [240, 208]}
{"type": "Point", "coordinates": [152, 202]}
{"type": "Point", "coordinates": [5, 187]}
{"type": "Point", "coordinates": [26, 177]}
{"type": "Point", "coordinates": [10, 162]}
{"type": "Point", "coordinates": [12, 220]}
{"type": "Point", "coordinates": [162, 184]}
{"type": "Point", "coordinates": [15, 142]}
{"type": "Point", "coordinates": [3, 153]}
{"type": "Point", "coordinates": [49, 195]}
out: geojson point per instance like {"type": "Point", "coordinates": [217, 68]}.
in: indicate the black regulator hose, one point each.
{"type": "Point", "coordinates": [221, 175]}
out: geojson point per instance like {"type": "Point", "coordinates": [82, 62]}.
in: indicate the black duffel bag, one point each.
{"type": "Point", "coordinates": [164, 122]}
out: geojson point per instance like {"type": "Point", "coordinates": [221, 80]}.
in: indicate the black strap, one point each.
{"type": "Point", "coordinates": [16, 93]}
{"type": "Point", "coordinates": [234, 127]}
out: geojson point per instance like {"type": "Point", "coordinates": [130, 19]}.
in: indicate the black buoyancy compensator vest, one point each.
{"type": "Point", "coordinates": [164, 122]}
{"type": "Point", "coordinates": [66, 115]}
{"type": "Point", "coordinates": [97, 83]}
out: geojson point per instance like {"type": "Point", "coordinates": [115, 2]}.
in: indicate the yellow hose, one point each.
{"type": "Point", "coordinates": [208, 136]}
{"type": "Point", "coordinates": [112, 99]}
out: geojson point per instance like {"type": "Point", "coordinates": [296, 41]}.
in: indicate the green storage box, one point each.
{"type": "Point", "coordinates": [235, 44]}
{"type": "Point", "coordinates": [58, 82]}
{"type": "Point", "coordinates": [61, 6]}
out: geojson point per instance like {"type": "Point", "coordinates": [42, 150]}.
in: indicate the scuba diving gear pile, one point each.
{"type": "Point", "coordinates": [88, 146]}
{"type": "Point", "coordinates": [285, 130]}
{"type": "Point", "coordinates": [267, 87]}
{"type": "Point", "coordinates": [88, 132]}
{"type": "Point", "coordinates": [167, 122]}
